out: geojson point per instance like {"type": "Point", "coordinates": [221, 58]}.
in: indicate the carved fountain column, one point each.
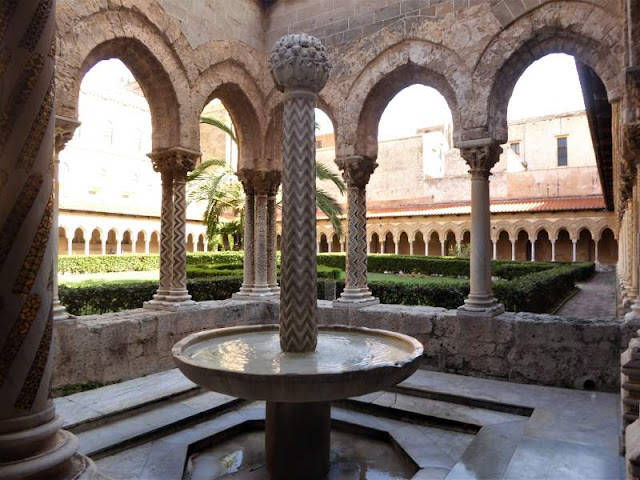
{"type": "Point", "coordinates": [32, 442]}
{"type": "Point", "coordinates": [356, 171]}
{"type": "Point", "coordinates": [481, 156]}
{"type": "Point", "coordinates": [300, 69]}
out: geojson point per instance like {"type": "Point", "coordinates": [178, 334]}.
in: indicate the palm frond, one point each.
{"type": "Point", "coordinates": [214, 122]}
{"type": "Point", "coordinates": [331, 208]}
{"type": "Point", "coordinates": [323, 172]}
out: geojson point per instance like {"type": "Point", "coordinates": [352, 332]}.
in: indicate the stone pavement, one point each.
{"type": "Point", "coordinates": [596, 298]}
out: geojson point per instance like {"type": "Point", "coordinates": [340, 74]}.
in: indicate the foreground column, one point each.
{"type": "Point", "coordinates": [64, 132]}
{"type": "Point", "coordinates": [356, 171]}
{"type": "Point", "coordinates": [183, 162]}
{"type": "Point", "coordinates": [481, 156]}
{"type": "Point", "coordinates": [32, 444]}
{"type": "Point", "coordinates": [300, 68]}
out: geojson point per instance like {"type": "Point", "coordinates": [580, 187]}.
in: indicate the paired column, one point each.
{"type": "Point", "coordinates": [173, 165]}
{"type": "Point", "coordinates": [64, 128]}
{"type": "Point", "coordinates": [32, 443]}
{"type": "Point", "coordinates": [481, 156]}
{"type": "Point", "coordinates": [356, 171]}
{"type": "Point", "coordinates": [260, 274]}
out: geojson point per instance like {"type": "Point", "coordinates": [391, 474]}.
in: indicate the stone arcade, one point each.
{"type": "Point", "coordinates": [183, 54]}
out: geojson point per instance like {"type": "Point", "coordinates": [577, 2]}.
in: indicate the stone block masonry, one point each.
{"type": "Point", "coordinates": [518, 347]}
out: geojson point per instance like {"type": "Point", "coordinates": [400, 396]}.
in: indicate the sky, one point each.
{"type": "Point", "coordinates": [548, 86]}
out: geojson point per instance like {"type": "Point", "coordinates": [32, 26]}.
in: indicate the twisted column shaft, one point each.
{"type": "Point", "coordinates": [178, 293]}
{"type": "Point", "coordinates": [356, 171]}
{"type": "Point", "coordinates": [32, 444]}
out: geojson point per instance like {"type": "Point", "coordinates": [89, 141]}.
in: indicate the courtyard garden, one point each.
{"type": "Point", "coordinates": [101, 284]}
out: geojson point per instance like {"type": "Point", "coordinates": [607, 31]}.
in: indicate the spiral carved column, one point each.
{"type": "Point", "coordinates": [481, 156]}
{"type": "Point", "coordinates": [356, 172]}
{"type": "Point", "coordinates": [32, 444]}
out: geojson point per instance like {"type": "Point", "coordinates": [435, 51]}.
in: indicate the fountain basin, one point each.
{"type": "Point", "coordinates": [247, 362]}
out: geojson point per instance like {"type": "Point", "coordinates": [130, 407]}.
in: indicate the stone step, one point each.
{"type": "Point", "coordinates": [122, 432]}
{"type": "Point", "coordinates": [91, 408]}
{"type": "Point", "coordinates": [441, 414]}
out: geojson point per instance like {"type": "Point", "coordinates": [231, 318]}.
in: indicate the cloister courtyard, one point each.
{"type": "Point", "coordinates": [492, 286]}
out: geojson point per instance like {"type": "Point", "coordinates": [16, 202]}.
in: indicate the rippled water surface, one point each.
{"type": "Point", "coordinates": [260, 353]}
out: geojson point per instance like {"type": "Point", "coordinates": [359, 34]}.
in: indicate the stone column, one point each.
{"type": "Point", "coordinates": [69, 246]}
{"type": "Point", "coordinates": [595, 252]}
{"type": "Point", "coordinates": [118, 246]}
{"type": "Point", "coordinates": [411, 248]}
{"type": "Point", "coordinates": [533, 251]}
{"type": "Point", "coordinates": [495, 250]}
{"type": "Point", "coordinates": [426, 247]}
{"type": "Point", "coordinates": [64, 133]}
{"type": "Point", "coordinates": [481, 156]}
{"type": "Point", "coordinates": [183, 162]}
{"type": "Point", "coordinates": [272, 247]}
{"type": "Point", "coordinates": [87, 245]}
{"type": "Point", "coordinates": [32, 444]}
{"type": "Point", "coordinates": [300, 69]}
{"type": "Point", "coordinates": [553, 250]}
{"type": "Point", "coordinates": [173, 165]}
{"type": "Point", "coordinates": [356, 171]}
{"type": "Point", "coordinates": [263, 187]}
{"type": "Point", "coordinates": [459, 248]}
{"type": "Point", "coordinates": [330, 245]}
{"type": "Point", "coordinates": [249, 222]}
{"type": "Point", "coordinates": [382, 244]}
{"type": "Point", "coordinates": [396, 246]}
{"type": "Point", "coordinates": [134, 242]}
{"type": "Point", "coordinates": [343, 246]}
{"type": "Point", "coordinates": [513, 250]}
{"type": "Point", "coordinates": [575, 249]}
{"type": "Point", "coordinates": [443, 248]}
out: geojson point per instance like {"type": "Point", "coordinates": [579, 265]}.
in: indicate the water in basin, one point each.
{"type": "Point", "coordinates": [336, 351]}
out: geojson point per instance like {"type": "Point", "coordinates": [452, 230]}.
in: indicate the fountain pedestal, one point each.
{"type": "Point", "coordinates": [297, 437]}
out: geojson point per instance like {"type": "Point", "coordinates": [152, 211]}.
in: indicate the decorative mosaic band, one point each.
{"type": "Point", "coordinates": [37, 25]}
{"type": "Point", "coordinates": [31, 147]}
{"type": "Point", "coordinates": [32, 384]}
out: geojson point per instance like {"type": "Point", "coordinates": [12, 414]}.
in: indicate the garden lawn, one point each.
{"type": "Point", "coordinates": [418, 280]}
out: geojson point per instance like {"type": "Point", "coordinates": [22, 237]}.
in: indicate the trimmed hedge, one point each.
{"type": "Point", "coordinates": [136, 263]}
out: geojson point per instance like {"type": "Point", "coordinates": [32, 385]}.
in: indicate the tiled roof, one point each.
{"type": "Point", "coordinates": [499, 206]}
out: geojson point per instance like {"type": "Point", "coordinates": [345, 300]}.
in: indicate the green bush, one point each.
{"type": "Point", "coordinates": [449, 267]}
{"type": "Point", "coordinates": [511, 270]}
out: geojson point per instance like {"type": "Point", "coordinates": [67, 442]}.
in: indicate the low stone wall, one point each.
{"type": "Point", "coordinates": [527, 348]}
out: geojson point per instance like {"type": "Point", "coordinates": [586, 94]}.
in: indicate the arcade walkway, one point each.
{"type": "Point", "coordinates": [596, 298]}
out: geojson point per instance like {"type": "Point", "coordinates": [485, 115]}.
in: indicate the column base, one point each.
{"type": "Point", "coordinates": [480, 306]}
{"type": "Point", "coordinates": [170, 301]}
{"type": "Point", "coordinates": [59, 311]}
{"type": "Point", "coordinates": [254, 293]}
{"type": "Point", "coordinates": [59, 461]}
{"type": "Point", "coordinates": [355, 298]}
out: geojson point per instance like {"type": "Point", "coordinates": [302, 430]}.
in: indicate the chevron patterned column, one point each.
{"type": "Point", "coordinates": [64, 128]}
{"type": "Point", "coordinates": [183, 162]}
{"type": "Point", "coordinates": [356, 171]}
{"type": "Point", "coordinates": [32, 443]}
{"type": "Point", "coordinates": [481, 156]}
{"type": "Point", "coordinates": [272, 273]}
{"type": "Point", "coordinates": [300, 69]}
{"type": "Point", "coordinates": [248, 276]}
{"type": "Point", "coordinates": [162, 163]}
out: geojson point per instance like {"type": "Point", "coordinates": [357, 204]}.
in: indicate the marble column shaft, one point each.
{"type": "Point", "coordinates": [272, 272]}
{"type": "Point", "coordinates": [32, 443]}
{"type": "Point", "coordinates": [356, 171]}
{"type": "Point", "coordinates": [249, 222]}
{"type": "Point", "coordinates": [481, 156]}
{"type": "Point", "coordinates": [299, 68]}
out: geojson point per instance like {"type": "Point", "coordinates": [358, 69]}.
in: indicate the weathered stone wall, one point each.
{"type": "Point", "coordinates": [525, 348]}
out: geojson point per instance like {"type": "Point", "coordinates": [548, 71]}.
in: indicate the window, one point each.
{"type": "Point", "coordinates": [515, 148]}
{"type": "Point", "coordinates": [562, 151]}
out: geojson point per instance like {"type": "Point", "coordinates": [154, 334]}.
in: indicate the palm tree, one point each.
{"type": "Point", "coordinates": [214, 183]}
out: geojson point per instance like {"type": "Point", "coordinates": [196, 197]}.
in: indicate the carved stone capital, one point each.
{"type": "Point", "coordinates": [480, 155]}
{"type": "Point", "coordinates": [631, 142]}
{"type": "Point", "coordinates": [356, 170]}
{"type": "Point", "coordinates": [177, 160]}
{"type": "Point", "coordinates": [299, 61]}
{"type": "Point", "coordinates": [65, 128]}
{"type": "Point", "coordinates": [260, 182]}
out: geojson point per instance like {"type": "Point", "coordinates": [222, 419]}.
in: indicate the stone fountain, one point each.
{"type": "Point", "coordinates": [296, 367]}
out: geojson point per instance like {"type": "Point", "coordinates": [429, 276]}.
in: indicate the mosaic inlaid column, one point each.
{"type": "Point", "coordinates": [32, 443]}
{"type": "Point", "coordinates": [300, 69]}
{"type": "Point", "coordinates": [481, 156]}
{"type": "Point", "coordinates": [249, 222]}
{"type": "Point", "coordinates": [263, 186]}
{"type": "Point", "coordinates": [183, 162]}
{"type": "Point", "coordinates": [272, 247]}
{"type": "Point", "coordinates": [64, 129]}
{"type": "Point", "coordinates": [162, 163]}
{"type": "Point", "coordinates": [356, 171]}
